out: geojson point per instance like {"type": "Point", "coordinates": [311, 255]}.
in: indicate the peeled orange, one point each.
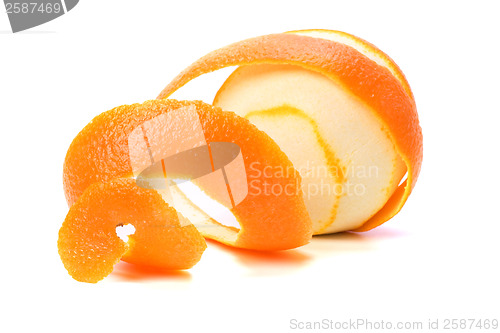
{"type": "Point", "coordinates": [340, 109]}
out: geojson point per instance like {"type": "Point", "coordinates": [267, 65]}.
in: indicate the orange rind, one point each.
{"type": "Point", "coordinates": [304, 110]}
{"type": "Point", "coordinates": [100, 153]}
{"type": "Point", "coordinates": [89, 246]}
{"type": "Point", "coordinates": [342, 94]}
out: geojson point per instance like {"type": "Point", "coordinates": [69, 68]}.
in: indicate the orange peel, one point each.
{"type": "Point", "coordinates": [363, 73]}
{"type": "Point", "coordinates": [89, 246]}
{"type": "Point", "coordinates": [100, 153]}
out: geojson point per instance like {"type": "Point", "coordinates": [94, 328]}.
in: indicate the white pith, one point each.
{"type": "Point", "coordinates": [350, 128]}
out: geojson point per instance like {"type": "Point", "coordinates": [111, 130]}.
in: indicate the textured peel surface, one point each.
{"type": "Point", "coordinates": [89, 246]}
{"type": "Point", "coordinates": [268, 221]}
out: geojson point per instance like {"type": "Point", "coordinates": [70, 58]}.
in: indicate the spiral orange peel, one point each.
{"type": "Point", "coordinates": [100, 153]}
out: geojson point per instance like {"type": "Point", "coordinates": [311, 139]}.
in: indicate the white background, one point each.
{"type": "Point", "coordinates": [437, 259]}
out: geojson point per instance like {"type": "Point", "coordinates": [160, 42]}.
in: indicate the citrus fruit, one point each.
{"type": "Point", "coordinates": [340, 109]}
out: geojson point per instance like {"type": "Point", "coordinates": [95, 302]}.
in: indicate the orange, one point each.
{"type": "Point", "coordinates": [360, 75]}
